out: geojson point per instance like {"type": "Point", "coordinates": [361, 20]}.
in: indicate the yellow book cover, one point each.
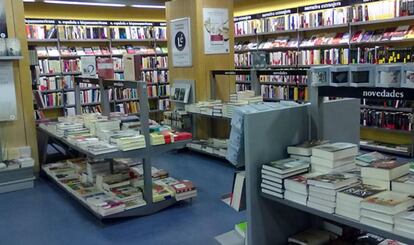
{"type": "Point", "coordinates": [296, 93]}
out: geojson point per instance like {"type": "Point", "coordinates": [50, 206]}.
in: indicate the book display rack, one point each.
{"type": "Point", "coordinates": [336, 33]}
{"type": "Point", "coordinates": [60, 44]}
{"type": "Point", "coordinates": [144, 153]}
{"type": "Point", "coordinates": [271, 219]}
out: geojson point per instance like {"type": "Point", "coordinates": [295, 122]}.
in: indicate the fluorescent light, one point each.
{"type": "Point", "coordinates": [29, 1]}
{"type": "Point", "coordinates": [86, 3]}
{"type": "Point", "coordinates": [148, 6]}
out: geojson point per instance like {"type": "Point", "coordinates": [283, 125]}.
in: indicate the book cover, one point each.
{"type": "Point", "coordinates": [407, 179]}
{"type": "Point", "coordinates": [363, 191]}
{"type": "Point", "coordinates": [287, 164]}
{"type": "Point", "coordinates": [386, 164]}
{"type": "Point", "coordinates": [335, 147]}
{"type": "Point", "coordinates": [389, 199]}
{"type": "Point", "coordinates": [400, 32]}
{"type": "Point", "coordinates": [332, 178]}
{"type": "Point", "coordinates": [377, 35]}
{"type": "Point", "coordinates": [369, 158]}
{"type": "Point", "coordinates": [388, 33]}
{"type": "Point", "coordinates": [357, 36]}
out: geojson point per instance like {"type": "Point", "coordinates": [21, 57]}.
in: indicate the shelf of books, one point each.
{"type": "Point", "coordinates": [299, 188]}
{"type": "Point", "coordinates": [334, 33]}
{"type": "Point", "coordinates": [114, 178]}
{"type": "Point", "coordinates": [62, 48]}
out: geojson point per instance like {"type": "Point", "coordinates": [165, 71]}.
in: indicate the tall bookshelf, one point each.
{"type": "Point", "coordinates": [326, 34]}
{"type": "Point", "coordinates": [71, 39]}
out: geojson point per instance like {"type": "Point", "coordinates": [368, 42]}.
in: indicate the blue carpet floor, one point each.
{"type": "Point", "coordinates": [47, 215]}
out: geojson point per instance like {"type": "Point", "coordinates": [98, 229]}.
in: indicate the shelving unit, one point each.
{"type": "Point", "coordinates": [109, 43]}
{"type": "Point", "coordinates": [145, 153]}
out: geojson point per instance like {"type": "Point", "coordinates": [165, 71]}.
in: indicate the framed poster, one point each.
{"type": "Point", "coordinates": [216, 30]}
{"type": "Point", "coordinates": [181, 46]}
{"type": "Point", "coordinates": [3, 23]}
{"type": "Point", "coordinates": [8, 110]}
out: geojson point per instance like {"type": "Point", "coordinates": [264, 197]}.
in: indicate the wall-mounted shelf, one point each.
{"type": "Point", "coordinates": [10, 58]}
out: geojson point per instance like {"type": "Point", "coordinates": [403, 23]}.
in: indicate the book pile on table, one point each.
{"type": "Point", "coordinates": [70, 129]}
{"type": "Point", "coordinates": [304, 151]}
{"type": "Point", "coordinates": [128, 140]}
{"type": "Point", "coordinates": [94, 168]}
{"type": "Point", "coordinates": [404, 184]}
{"type": "Point", "coordinates": [109, 193]}
{"type": "Point", "coordinates": [404, 223]}
{"type": "Point", "coordinates": [104, 204]}
{"type": "Point", "coordinates": [157, 139]}
{"type": "Point", "coordinates": [296, 188]}
{"type": "Point", "coordinates": [371, 157]}
{"type": "Point", "coordinates": [348, 201]}
{"type": "Point", "coordinates": [382, 172]}
{"type": "Point", "coordinates": [323, 189]}
{"type": "Point", "coordinates": [339, 157]}
{"type": "Point", "coordinates": [101, 125]}
{"type": "Point", "coordinates": [101, 148]}
{"type": "Point", "coordinates": [274, 174]}
{"type": "Point", "coordinates": [379, 210]}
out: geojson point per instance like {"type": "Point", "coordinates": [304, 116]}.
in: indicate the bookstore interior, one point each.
{"type": "Point", "coordinates": [226, 122]}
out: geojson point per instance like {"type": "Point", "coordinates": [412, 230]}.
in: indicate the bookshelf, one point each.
{"type": "Point", "coordinates": [144, 153]}
{"type": "Point", "coordinates": [69, 40]}
{"type": "Point", "coordinates": [301, 37]}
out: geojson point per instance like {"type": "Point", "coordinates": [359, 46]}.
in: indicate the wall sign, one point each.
{"type": "Point", "coordinates": [3, 23]}
{"type": "Point", "coordinates": [369, 93]}
{"type": "Point", "coordinates": [216, 30]}
{"type": "Point", "coordinates": [181, 45]}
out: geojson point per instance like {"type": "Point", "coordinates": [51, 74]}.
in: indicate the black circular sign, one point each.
{"type": "Point", "coordinates": [180, 41]}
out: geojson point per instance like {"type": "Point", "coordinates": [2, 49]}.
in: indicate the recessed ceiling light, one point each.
{"type": "Point", "coordinates": [148, 6]}
{"type": "Point", "coordinates": [86, 3]}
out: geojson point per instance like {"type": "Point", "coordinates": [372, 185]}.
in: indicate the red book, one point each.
{"type": "Point", "coordinates": [180, 136]}
{"type": "Point", "coordinates": [183, 186]}
{"type": "Point", "coordinates": [105, 68]}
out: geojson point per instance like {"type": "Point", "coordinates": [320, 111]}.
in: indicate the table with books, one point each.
{"type": "Point", "coordinates": [114, 177]}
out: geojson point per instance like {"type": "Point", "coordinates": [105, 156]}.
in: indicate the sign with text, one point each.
{"type": "Point", "coordinates": [368, 93]}
{"type": "Point", "coordinates": [216, 30]}
{"type": "Point", "coordinates": [181, 46]}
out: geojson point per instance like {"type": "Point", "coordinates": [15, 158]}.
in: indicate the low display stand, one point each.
{"type": "Point", "coordinates": [145, 154]}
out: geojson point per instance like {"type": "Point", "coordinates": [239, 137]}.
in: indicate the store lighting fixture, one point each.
{"type": "Point", "coordinates": [29, 1]}
{"type": "Point", "coordinates": [86, 3]}
{"type": "Point", "coordinates": [148, 6]}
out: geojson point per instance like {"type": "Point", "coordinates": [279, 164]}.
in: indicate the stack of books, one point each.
{"type": "Point", "coordinates": [162, 192]}
{"type": "Point", "coordinates": [274, 174]}
{"type": "Point", "coordinates": [303, 151]}
{"type": "Point", "coordinates": [348, 201]}
{"type": "Point", "coordinates": [67, 129]}
{"type": "Point", "coordinates": [323, 189]}
{"type": "Point", "coordinates": [184, 189]}
{"type": "Point", "coordinates": [105, 204]}
{"type": "Point", "coordinates": [339, 157]}
{"type": "Point", "coordinates": [367, 159]}
{"type": "Point", "coordinates": [157, 139]}
{"type": "Point", "coordinates": [296, 188]}
{"type": "Point", "coordinates": [381, 173]}
{"type": "Point", "coordinates": [379, 210]}
{"type": "Point", "coordinates": [128, 141]}
{"type": "Point", "coordinates": [101, 148]}
{"type": "Point", "coordinates": [404, 184]}
{"type": "Point", "coordinates": [404, 223]}
{"type": "Point", "coordinates": [93, 168]}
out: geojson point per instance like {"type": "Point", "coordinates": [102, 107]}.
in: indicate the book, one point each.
{"type": "Point", "coordinates": [310, 237]}
{"type": "Point", "coordinates": [332, 164]}
{"type": "Point", "coordinates": [385, 170]}
{"type": "Point", "coordinates": [298, 183]}
{"type": "Point", "coordinates": [333, 180]}
{"type": "Point", "coordinates": [356, 194]}
{"type": "Point", "coordinates": [404, 184]}
{"type": "Point", "coordinates": [400, 32]}
{"type": "Point", "coordinates": [305, 149]}
{"type": "Point", "coordinates": [388, 33]}
{"type": "Point", "coordinates": [335, 151]}
{"type": "Point", "coordinates": [286, 166]}
{"type": "Point", "coordinates": [377, 224]}
{"type": "Point", "coordinates": [368, 158]}
{"type": "Point", "coordinates": [388, 202]}
{"type": "Point", "coordinates": [295, 197]}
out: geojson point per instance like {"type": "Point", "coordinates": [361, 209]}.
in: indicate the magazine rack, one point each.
{"type": "Point", "coordinates": [145, 154]}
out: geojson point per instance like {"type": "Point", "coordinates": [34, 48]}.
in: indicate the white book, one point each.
{"type": "Point", "coordinates": [277, 185]}
{"type": "Point", "coordinates": [272, 193]}
{"type": "Point", "coordinates": [321, 207]}
{"type": "Point", "coordinates": [386, 218]}
{"type": "Point", "coordinates": [376, 182]}
{"type": "Point", "coordinates": [332, 164]}
{"type": "Point", "coordinates": [385, 170]}
{"type": "Point", "coordinates": [296, 197]}
{"type": "Point", "coordinates": [271, 178]}
{"type": "Point", "coordinates": [272, 188]}
{"type": "Point", "coordinates": [376, 224]}
{"type": "Point", "coordinates": [335, 151]}
{"type": "Point", "coordinates": [388, 202]}
{"type": "Point", "coordinates": [322, 201]}
{"type": "Point", "coordinates": [347, 213]}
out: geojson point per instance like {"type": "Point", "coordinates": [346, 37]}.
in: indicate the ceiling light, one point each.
{"type": "Point", "coordinates": [86, 3]}
{"type": "Point", "coordinates": [29, 1]}
{"type": "Point", "coordinates": [148, 6]}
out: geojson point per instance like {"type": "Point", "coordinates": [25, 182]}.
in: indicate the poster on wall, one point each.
{"type": "Point", "coordinates": [8, 110]}
{"type": "Point", "coordinates": [216, 30]}
{"type": "Point", "coordinates": [181, 46]}
{"type": "Point", "coordinates": [3, 23]}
